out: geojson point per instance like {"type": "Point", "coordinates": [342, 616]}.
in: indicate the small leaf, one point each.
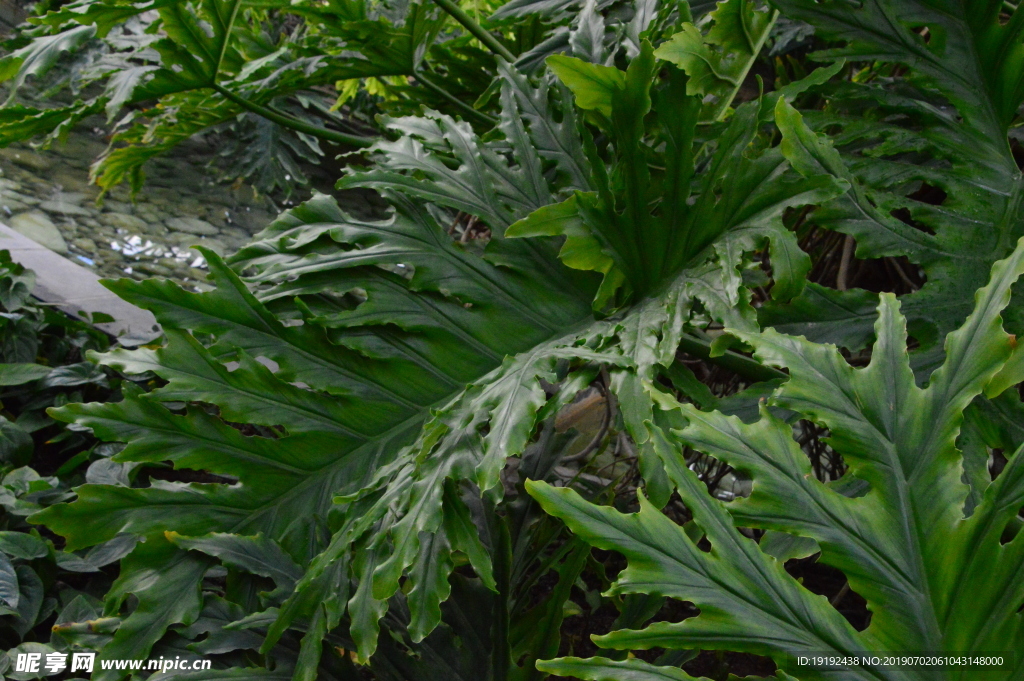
{"type": "Point", "coordinates": [30, 599]}
{"type": "Point", "coordinates": [23, 545]}
{"type": "Point", "coordinates": [258, 555]}
{"type": "Point", "coordinates": [783, 547]}
{"type": "Point", "coordinates": [16, 445]}
{"type": "Point", "coordinates": [18, 374]}
{"type": "Point", "coordinates": [9, 590]}
{"type": "Point", "coordinates": [593, 85]}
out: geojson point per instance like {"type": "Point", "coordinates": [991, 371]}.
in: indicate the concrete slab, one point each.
{"type": "Point", "coordinates": [74, 289]}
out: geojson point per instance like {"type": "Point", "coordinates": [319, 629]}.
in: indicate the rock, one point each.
{"type": "Point", "coordinates": [121, 193]}
{"type": "Point", "coordinates": [188, 207]}
{"type": "Point", "coordinates": [118, 207]}
{"type": "Point", "coordinates": [38, 227]}
{"type": "Point", "coordinates": [10, 206]}
{"type": "Point", "coordinates": [252, 220]}
{"type": "Point", "coordinates": [26, 159]}
{"type": "Point", "coordinates": [219, 201]}
{"type": "Point", "coordinates": [124, 221]}
{"type": "Point", "coordinates": [8, 195]}
{"type": "Point", "coordinates": [62, 208]}
{"type": "Point", "coordinates": [163, 195]}
{"type": "Point", "coordinates": [68, 197]}
{"type": "Point", "coordinates": [154, 269]}
{"type": "Point", "coordinates": [80, 148]}
{"type": "Point", "coordinates": [183, 239]}
{"type": "Point", "coordinates": [72, 179]}
{"type": "Point", "coordinates": [87, 245]}
{"type": "Point", "coordinates": [215, 245]}
{"type": "Point", "coordinates": [236, 234]}
{"type": "Point", "coordinates": [156, 229]}
{"type": "Point", "coordinates": [191, 225]}
{"type": "Point", "coordinates": [245, 195]}
{"type": "Point", "coordinates": [66, 203]}
{"type": "Point", "coordinates": [149, 214]}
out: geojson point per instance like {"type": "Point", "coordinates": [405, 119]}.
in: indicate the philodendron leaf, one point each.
{"type": "Point", "coordinates": [8, 582]}
{"type": "Point", "coordinates": [718, 63]}
{"type": "Point", "coordinates": [594, 85]}
{"type": "Point", "coordinates": [600, 669]}
{"type": "Point", "coordinates": [931, 173]}
{"type": "Point", "coordinates": [935, 581]}
{"type": "Point", "coordinates": [40, 55]}
{"type": "Point", "coordinates": [257, 555]}
{"type": "Point", "coordinates": [638, 228]}
{"type": "Point", "coordinates": [165, 581]}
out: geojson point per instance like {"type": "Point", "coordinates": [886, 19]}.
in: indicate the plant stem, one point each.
{"type": "Point", "coordinates": [733, 361]}
{"type": "Point", "coordinates": [501, 657]}
{"type": "Point", "coordinates": [292, 122]}
{"type": "Point", "coordinates": [476, 29]}
{"type": "Point", "coordinates": [227, 36]}
{"type": "Point", "coordinates": [466, 108]}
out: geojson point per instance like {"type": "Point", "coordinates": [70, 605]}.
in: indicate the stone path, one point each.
{"type": "Point", "coordinates": [74, 289]}
{"type": "Point", "coordinates": [51, 209]}
{"type": "Point", "coordinates": [46, 196]}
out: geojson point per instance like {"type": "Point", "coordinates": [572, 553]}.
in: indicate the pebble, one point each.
{"type": "Point", "coordinates": [63, 208]}
{"type": "Point", "coordinates": [183, 239]}
{"type": "Point", "coordinates": [73, 179]}
{"type": "Point", "coordinates": [69, 197]}
{"type": "Point", "coordinates": [114, 206]}
{"type": "Point", "coordinates": [215, 245]}
{"type": "Point", "coordinates": [39, 228]}
{"type": "Point", "coordinates": [252, 220]}
{"type": "Point", "coordinates": [235, 234]}
{"type": "Point", "coordinates": [26, 159]}
{"type": "Point", "coordinates": [154, 269]}
{"type": "Point", "coordinates": [149, 214]}
{"type": "Point", "coordinates": [9, 195]}
{"type": "Point", "coordinates": [66, 204]}
{"type": "Point", "coordinates": [124, 221]}
{"type": "Point", "coordinates": [191, 225]}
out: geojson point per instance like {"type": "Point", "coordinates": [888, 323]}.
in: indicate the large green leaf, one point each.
{"type": "Point", "coordinates": [39, 56]}
{"type": "Point", "coordinates": [931, 173]}
{"type": "Point", "coordinates": [934, 580]}
{"type": "Point", "coordinates": [637, 227]}
{"type": "Point", "coordinates": [718, 63]}
{"type": "Point", "coordinates": [208, 62]}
